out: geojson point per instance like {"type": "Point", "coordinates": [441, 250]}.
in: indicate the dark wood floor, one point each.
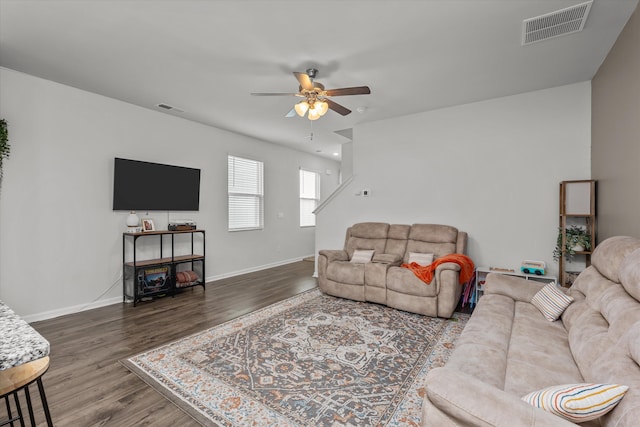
{"type": "Point", "coordinates": [87, 386]}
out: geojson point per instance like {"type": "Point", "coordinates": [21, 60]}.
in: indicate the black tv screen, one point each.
{"type": "Point", "coordinates": [146, 186]}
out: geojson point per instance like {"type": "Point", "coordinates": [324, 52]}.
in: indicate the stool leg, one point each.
{"type": "Point", "coordinates": [45, 405]}
{"type": "Point", "coordinates": [9, 415]}
{"type": "Point", "coordinates": [19, 409]}
{"type": "Point", "coordinates": [29, 407]}
{"type": "Point", "coordinates": [11, 419]}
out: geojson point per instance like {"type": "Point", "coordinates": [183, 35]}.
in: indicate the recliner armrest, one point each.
{"type": "Point", "coordinates": [471, 402]}
{"type": "Point", "coordinates": [387, 259]}
{"type": "Point", "coordinates": [448, 266]}
{"type": "Point", "coordinates": [516, 288]}
{"type": "Point", "coordinates": [334, 254]}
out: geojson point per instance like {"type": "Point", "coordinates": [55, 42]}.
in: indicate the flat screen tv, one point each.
{"type": "Point", "coordinates": [146, 186]}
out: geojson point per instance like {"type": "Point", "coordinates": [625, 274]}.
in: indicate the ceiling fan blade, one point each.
{"type": "Point", "coordinates": [359, 90]}
{"type": "Point", "coordinates": [337, 107]}
{"type": "Point", "coordinates": [275, 94]}
{"type": "Point", "coordinates": [291, 113]}
{"type": "Point", "coordinates": [304, 80]}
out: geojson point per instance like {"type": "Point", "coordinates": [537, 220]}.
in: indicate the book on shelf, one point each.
{"type": "Point", "coordinates": [154, 279]}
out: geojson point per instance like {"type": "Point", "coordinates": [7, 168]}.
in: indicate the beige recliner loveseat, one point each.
{"type": "Point", "coordinates": [382, 280]}
{"type": "Point", "coordinates": [508, 349]}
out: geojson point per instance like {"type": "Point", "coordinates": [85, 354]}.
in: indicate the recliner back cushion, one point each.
{"type": "Point", "coordinates": [604, 323]}
{"type": "Point", "coordinates": [609, 255]}
{"type": "Point", "coordinates": [397, 239]}
{"type": "Point", "coordinates": [367, 235]}
{"type": "Point", "coordinates": [630, 274]}
{"type": "Point", "coordinates": [431, 239]}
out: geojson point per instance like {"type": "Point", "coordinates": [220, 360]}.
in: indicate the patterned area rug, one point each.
{"type": "Point", "coordinates": [311, 360]}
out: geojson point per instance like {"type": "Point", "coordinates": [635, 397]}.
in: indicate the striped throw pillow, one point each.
{"type": "Point", "coordinates": [551, 301]}
{"type": "Point", "coordinates": [578, 403]}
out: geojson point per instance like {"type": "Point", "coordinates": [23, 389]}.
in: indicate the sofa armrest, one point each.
{"type": "Point", "coordinates": [447, 266]}
{"type": "Point", "coordinates": [467, 401]}
{"type": "Point", "coordinates": [449, 279]}
{"type": "Point", "coordinates": [513, 287]}
{"type": "Point", "coordinates": [334, 255]}
{"type": "Point", "coordinates": [387, 259]}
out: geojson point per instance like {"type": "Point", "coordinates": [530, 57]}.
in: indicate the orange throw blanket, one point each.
{"type": "Point", "coordinates": [426, 273]}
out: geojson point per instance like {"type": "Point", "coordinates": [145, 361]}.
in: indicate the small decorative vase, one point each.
{"type": "Point", "coordinates": [133, 220]}
{"type": "Point", "coordinates": [578, 248]}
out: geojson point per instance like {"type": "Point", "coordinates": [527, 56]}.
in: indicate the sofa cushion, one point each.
{"type": "Point", "coordinates": [403, 280]}
{"type": "Point", "coordinates": [609, 255]}
{"type": "Point", "coordinates": [367, 235]}
{"type": "Point", "coordinates": [538, 353]}
{"type": "Point", "coordinates": [551, 301]}
{"type": "Point", "coordinates": [630, 274]}
{"type": "Point", "coordinates": [481, 350]}
{"type": "Point", "coordinates": [362, 256]}
{"type": "Point", "coordinates": [346, 272]}
{"type": "Point", "coordinates": [397, 239]}
{"type": "Point", "coordinates": [435, 233]}
{"type": "Point", "coordinates": [420, 258]}
{"type": "Point", "coordinates": [578, 402]}
{"type": "Point", "coordinates": [431, 238]}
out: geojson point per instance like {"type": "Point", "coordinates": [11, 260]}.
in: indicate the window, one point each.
{"type": "Point", "coordinates": [309, 197]}
{"type": "Point", "coordinates": [246, 207]}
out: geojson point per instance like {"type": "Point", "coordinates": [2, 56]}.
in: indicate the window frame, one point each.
{"type": "Point", "coordinates": [233, 191]}
{"type": "Point", "coordinates": [303, 198]}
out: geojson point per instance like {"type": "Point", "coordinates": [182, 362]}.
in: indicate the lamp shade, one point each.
{"type": "Point", "coordinates": [301, 108]}
{"type": "Point", "coordinates": [314, 114]}
{"type": "Point", "coordinates": [323, 106]}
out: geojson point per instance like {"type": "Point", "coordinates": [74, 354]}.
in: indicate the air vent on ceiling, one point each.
{"type": "Point", "coordinates": [554, 24]}
{"type": "Point", "coordinates": [169, 107]}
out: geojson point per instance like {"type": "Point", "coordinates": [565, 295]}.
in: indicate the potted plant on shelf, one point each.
{"type": "Point", "coordinates": [577, 240]}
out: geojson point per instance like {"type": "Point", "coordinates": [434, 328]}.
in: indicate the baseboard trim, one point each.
{"type": "Point", "coordinates": [70, 310]}
{"type": "Point", "coordinates": [254, 269]}
{"type": "Point", "coordinates": [115, 300]}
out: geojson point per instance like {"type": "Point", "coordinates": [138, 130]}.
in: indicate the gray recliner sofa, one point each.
{"type": "Point", "coordinates": [508, 349]}
{"type": "Point", "coordinates": [382, 280]}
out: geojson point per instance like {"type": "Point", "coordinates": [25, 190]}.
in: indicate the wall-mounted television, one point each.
{"type": "Point", "coordinates": [146, 186]}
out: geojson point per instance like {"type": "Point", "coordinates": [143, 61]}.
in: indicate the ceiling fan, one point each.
{"type": "Point", "coordinates": [316, 98]}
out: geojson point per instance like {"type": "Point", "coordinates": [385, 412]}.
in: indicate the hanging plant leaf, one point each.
{"type": "Point", "coordinates": [5, 148]}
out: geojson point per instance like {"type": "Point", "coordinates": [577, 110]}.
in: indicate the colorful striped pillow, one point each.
{"type": "Point", "coordinates": [578, 402]}
{"type": "Point", "coordinates": [551, 301]}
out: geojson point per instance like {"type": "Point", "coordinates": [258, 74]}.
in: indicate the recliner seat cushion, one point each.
{"type": "Point", "coordinates": [346, 272]}
{"type": "Point", "coordinates": [403, 280]}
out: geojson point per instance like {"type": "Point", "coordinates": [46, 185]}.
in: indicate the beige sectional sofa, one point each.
{"type": "Point", "coordinates": [508, 349]}
{"type": "Point", "coordinates": [382, 280]}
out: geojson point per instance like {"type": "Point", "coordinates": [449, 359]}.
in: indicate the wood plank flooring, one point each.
{"type": "Point", "coordinates": [87, 386]}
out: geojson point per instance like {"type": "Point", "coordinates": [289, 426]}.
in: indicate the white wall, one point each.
{"type": "Point", "coordinates": [60, 240]}
{"type": "Point", "coordinates": [490, 168]}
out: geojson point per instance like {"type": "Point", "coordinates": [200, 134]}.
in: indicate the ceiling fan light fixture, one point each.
{"type": "Point", "coordinates": [316, 100]}
{"type": "Point", "coordinates": [314, 114]}
{"type": "Point", "coordinates": [301, 108]}
{"type": "Point", "coordinates": [323, 106]}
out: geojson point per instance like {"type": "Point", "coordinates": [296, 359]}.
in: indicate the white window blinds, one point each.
{"type": "Point", "coordinates": [246, 194]}
{"type": "Point", "coordinates": [309, 197]}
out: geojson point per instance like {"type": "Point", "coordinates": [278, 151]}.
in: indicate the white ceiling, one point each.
{"type": "Point", "coordinates": [206, 57]}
